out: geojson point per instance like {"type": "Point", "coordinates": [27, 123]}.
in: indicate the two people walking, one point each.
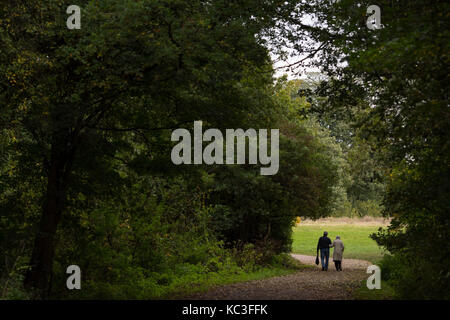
{"type": "Point", "coordinates": [324, 246]}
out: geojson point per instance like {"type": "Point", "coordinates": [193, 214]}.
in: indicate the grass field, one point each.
{"type": "Point", "coordinates": [355, 236]}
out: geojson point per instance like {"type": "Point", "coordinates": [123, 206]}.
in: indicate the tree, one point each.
{"type": "Point", "coordinates": [250, 208]}
{"type": "Point", "coordinates": [397, 74]}
{"type": "Point", "coordinates": [78, 98]}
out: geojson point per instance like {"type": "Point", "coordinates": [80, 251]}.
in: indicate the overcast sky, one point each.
{"type": "Point", "coordinates": [297, 72]}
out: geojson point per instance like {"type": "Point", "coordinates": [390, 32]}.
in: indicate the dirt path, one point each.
{"type": "Point", "coordinates": [307, 284]}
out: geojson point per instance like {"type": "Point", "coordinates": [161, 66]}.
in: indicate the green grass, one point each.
{"type": "Point", "coordinates": [187, 287]}
{"type": "Point", "coordinates": [356, 239]}
{"type": "Point", "coordinates": [385, 293]}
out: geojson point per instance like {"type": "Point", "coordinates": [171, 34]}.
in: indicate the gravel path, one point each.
{"type": "Point", "coordinates": [347, 264]}
{"type": "Point", "coordinates": [307, 284]}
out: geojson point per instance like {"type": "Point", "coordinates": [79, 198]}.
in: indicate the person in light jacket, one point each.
{"type": "Point", "coordinates": [338, 252]}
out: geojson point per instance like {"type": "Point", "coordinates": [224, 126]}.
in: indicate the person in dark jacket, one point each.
{"type": "Point", "coordinates": [324, 247]}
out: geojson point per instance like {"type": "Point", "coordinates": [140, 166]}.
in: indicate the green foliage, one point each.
{"type": "Point", "coordinates": [396, 79]}
{"type": "Point", "coordinates": [79, 143]}
{"type": "Point", "coordinates": [412, 278]}
{"type": "Point", "coordinates": [385, 293]}
{"type": "Point", "coordinates": [360, 185]}
{"type": "Point", "coordinates": [361, 173]}
{"type": "Point", "coordinates": [85, 120]}
{"type": "Point", "coordinates": [251, 208]}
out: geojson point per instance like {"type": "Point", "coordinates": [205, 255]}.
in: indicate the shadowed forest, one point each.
{"type": "Point", "coordinates": [86, 117]}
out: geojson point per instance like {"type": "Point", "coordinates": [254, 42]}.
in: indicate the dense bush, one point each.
{"type": "Point", "coordinates": [414, 278]}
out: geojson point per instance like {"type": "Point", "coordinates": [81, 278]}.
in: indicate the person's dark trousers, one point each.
{"type": "Point", "coordinates": [338, 265]}
{"type": "Point", "coordinates": [324, 257]}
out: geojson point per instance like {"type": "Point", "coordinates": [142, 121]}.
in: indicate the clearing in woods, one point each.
{"type": "Point", "coordinates": [311, 283]}
{"type": "Point", "coordinates": [353, 232]}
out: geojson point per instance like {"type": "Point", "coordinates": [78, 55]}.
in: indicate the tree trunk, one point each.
{"type": "Point", "coordinates": [39, 275]}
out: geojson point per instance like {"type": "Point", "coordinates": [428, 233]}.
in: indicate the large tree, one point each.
{"type": "Point", "coordinates": [76, 98]}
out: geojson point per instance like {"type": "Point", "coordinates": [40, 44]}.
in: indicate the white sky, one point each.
{"type": "Point", "coordinates": [297, 72]}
